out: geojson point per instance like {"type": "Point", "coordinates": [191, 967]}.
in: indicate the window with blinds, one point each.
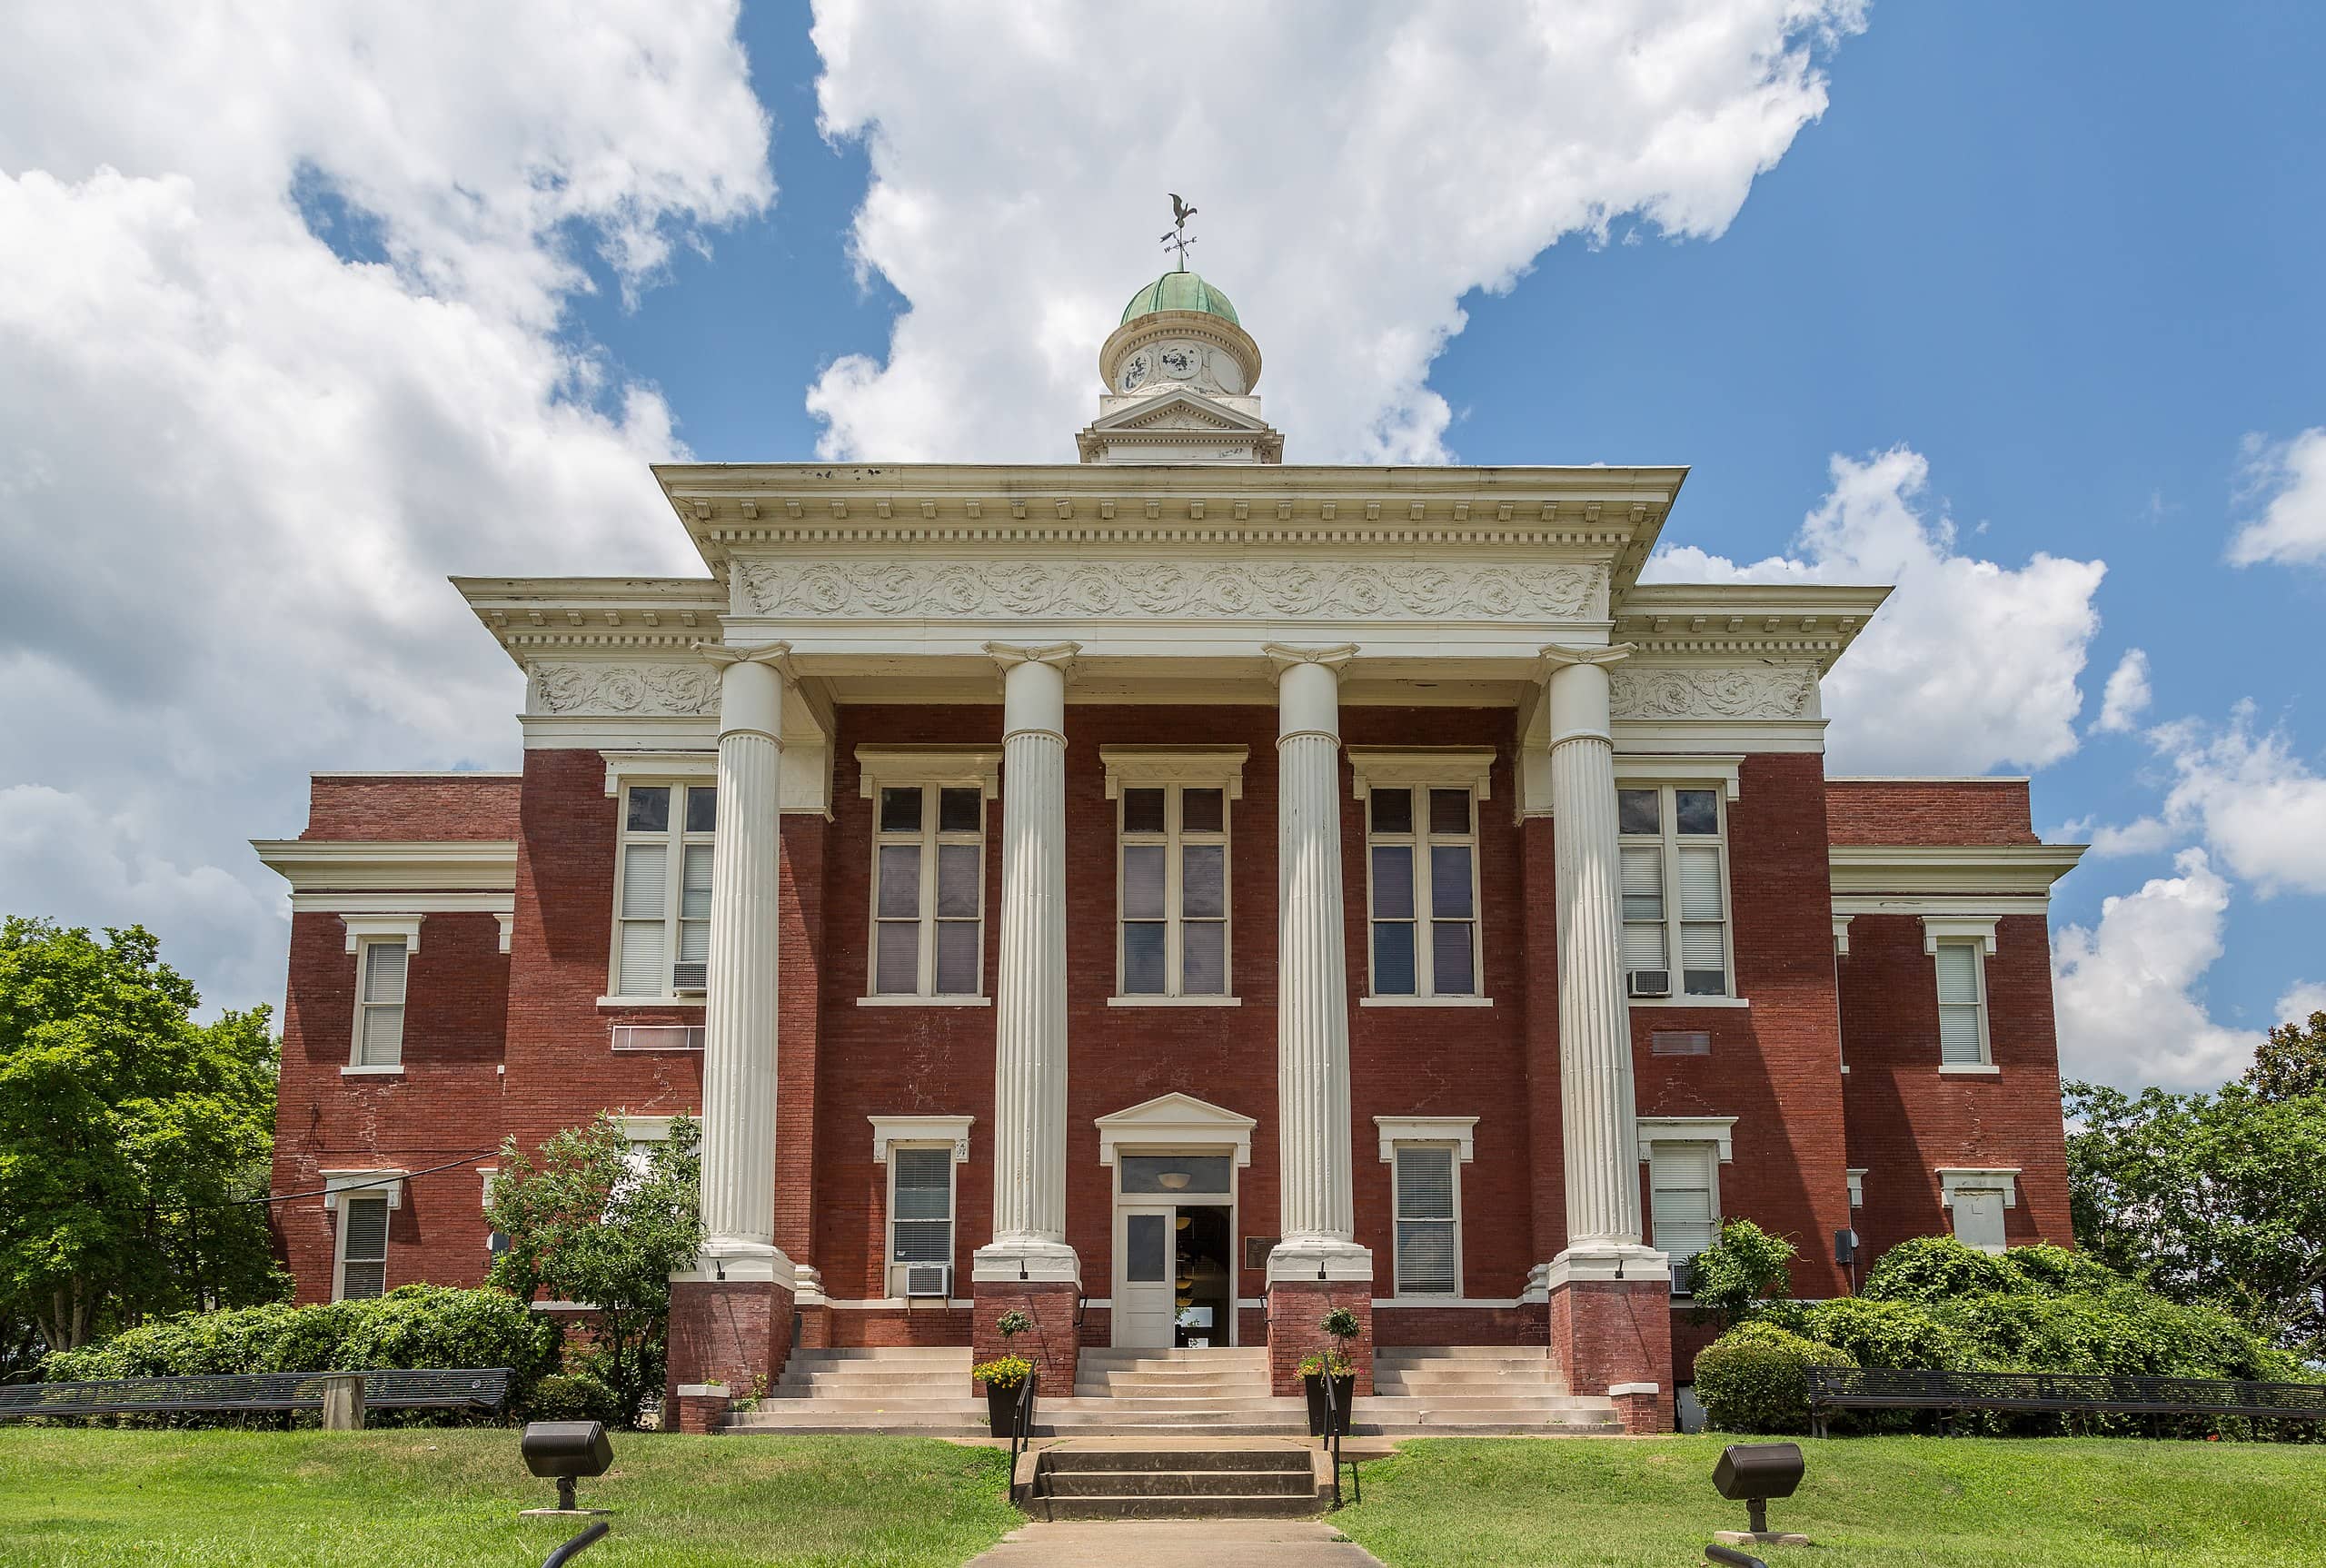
{"type": "Point", "coordinates": [1427, 1244]}
{"type": "Point", "coordinates": [379, 1002]}
{"type": "Point", "coordinates": [929, 890]}
{"type": "Point", "coordinates": [1674, 870]}
{"type": "Point", "coordinates": [1684, 1198]}
{"type": "Point", "coordinates": [1173, 889]}
{"type": "Point", "coordinates": [1422, 891]}
{"type": "Point", "coordinates": [920, 1204]}
{"type": "Point", "coordinates": [362, 1246]}
{"type": "Point", "coordinates": [663, 902]}
{"type": "Point", "coordinates": [1962, 1004]}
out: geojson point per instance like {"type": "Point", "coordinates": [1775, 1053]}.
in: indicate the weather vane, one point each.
{"type": "Point", "coordinates": [1178, 236]}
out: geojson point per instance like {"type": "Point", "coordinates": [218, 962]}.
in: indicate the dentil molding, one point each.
{"type": "Point", "coordinates": [1165, 588]}
{"type": "Point", "coordinates": [685, 688]}
{"type": "Point", "coordinates": [1650, 691]}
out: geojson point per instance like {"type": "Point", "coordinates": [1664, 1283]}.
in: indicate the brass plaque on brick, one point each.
{"type": "Point", "coordinates": [1257, 1249]}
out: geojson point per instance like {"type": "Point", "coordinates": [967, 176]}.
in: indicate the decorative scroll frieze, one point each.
{"type": "Point", "coordinates": [1649, 691]}
{"type": "Point", "coordinates": [1160, 589]}
{"type": "Point", "coordinates": [674, 688]}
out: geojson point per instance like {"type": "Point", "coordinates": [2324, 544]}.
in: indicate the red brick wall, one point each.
{"type": "Point", "coordinates": [1928, 811]}
{"type": "Point", "coordinates": [1906, 1120]}
{"type": "Point", "coordinates": [428, 806]}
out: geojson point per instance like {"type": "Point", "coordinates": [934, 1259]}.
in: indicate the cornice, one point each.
{"type": "Point", "coordinates": [535, 617]}
{"type": "Point", "coordinates": [1815, 622]}
{"type": "Point", "coordinates": [312, 865]}
{"type": "Point", "coordinates": [2022, 869]}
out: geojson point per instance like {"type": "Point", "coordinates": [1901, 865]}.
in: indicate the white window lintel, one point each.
{"type": "Point", "coordinates": [1952, 1180]}
{"type": "Point", "coordinates": [920, 1129]}
{"type": "Point", "coordinates": [1684, 771]}
{"type": "Point", "coordinates": [1197, 766]}
{"type": "Point", "coordinates": [657, 767]}
{"type": "Point", "coordinates": [1175, 1120]}
{"type": "Point", "coordinates": [1937, 928]}
{"type": "Point", "coordinates": [387, 1184]}
{"type": "Point", "coordinates": [363, 927]}
{"type": "Point", "coordinates": [646, 1129]}
{"type": "Point", "coordinates": [1716, 1130]}
{"type": "Point", "coordinates": [1410, 767]}
{"type": "Point", "coordinates": [1396, 1130]}
{"type": "Point", "coordinates": [908, 766]}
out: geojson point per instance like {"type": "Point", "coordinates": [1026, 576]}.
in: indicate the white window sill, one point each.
{"type": "Point", "coordinates": [1969, 1070]}
{"type": "Point", "coordinates": [1424, 1001]}
{"type": "Point", "coordinates": [392, 1072]}
{"type": "Point", "coordinates": [924, 1001]}
{"type": "Point", "coordinates": [1175, 1001]}
{"type": "Point", "coordinates": [1690, 1001]}
{"type": "Point", "coordinates": [608, 1004]}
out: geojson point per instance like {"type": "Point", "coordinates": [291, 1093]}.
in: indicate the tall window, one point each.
{"type": "Point", "coordinates": [1961, 1003]}
{"type": "Point", "coordinates": [1675, 886]}
{"type": "Point", "coordinates": [362, 1246]}
{"type": "Point", "coordinates": [664, 943]}
{"type": "Point", "coordinates": [1428, 1230]}
{"type": "Point", "coordinates": [1683, 1201]}
{"type": "Point", "coordinates": [381, 964]}
{"type": "Point", "coordinates": [1174, 891]}
{"type": "Point", "coordinates": [1422, 881]}
{"type": "Point", "coordinates": [920, 1204]}
{"type": "Point", "coordinates": [929, 897]}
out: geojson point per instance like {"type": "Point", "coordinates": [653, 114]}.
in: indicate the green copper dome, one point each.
{"type": "Point", "coordinates": [1179, 291]}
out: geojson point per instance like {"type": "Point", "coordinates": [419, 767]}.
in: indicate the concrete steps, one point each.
{"type": "Point", "coordinates": [1213, 1391]}
{"type": "Point", "coordinates": [923, 1390]}
{"type": "Point", "coordinates": [1479, 1390]}
{"type": "Point", "coordinates": [1178, 1482]}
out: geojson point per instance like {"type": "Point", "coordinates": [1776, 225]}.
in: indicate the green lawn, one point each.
{"type": "Point", "coordinates": [448, 1499]}
{"type": "Point", "coordinates": [1882, 1502]}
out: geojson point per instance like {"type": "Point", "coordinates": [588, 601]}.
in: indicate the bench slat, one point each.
{"type": "Point", "coordinates": [397, 1388]}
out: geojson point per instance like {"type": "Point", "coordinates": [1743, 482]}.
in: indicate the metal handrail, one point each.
{"type": "Point", "coordinates": [1834, 1388]}
{"type": "Point", "coordinates": [1333, 1425]}
{"type": "Point", "coordinates": [575, 1547]}
{"type": "Point", "coordinates": [1733, 1557]}
{"type": "Point", "coordinates": [1021, 1429]}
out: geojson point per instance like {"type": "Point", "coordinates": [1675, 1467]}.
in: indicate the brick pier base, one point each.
{"type": "Point", "coordinates": [1051, 1345]}
{"type": "Point", "coordinates": [1297, 1309]}
{"type": "Point", "coordinates": [736, 1333]}
{"type": "Point", "coordinates": [1614, 1337]}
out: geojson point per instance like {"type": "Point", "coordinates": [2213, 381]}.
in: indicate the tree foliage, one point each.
{"type": "Point", "coordinates": [2291, 1062]}
{"type": "Point", "coordinates": [1745, 1267]}
{"type": "Point", "coordinates": [128, 1135]}
{"type": "Point", "coordinates": [2210, 1200]}
{"type": "Point", "coordinates": [594, 1217]}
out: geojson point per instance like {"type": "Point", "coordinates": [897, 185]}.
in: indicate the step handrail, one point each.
{"type": "Point", "coordinates": [1333, 1425]}
{"type": "Point", "coordinates": [1021, 1431]}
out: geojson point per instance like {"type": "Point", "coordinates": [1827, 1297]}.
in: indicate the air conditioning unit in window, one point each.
{"type": "Point", "coordinates": [686, 978]}
{"type": "Point", "coordinates": [1684, 1277]}
{"type": "Point", "coordinates": [1650, 982]}
{"type": "Point", "coordinates": [928, 1279]}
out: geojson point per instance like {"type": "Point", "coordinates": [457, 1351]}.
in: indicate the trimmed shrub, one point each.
{"type": "Point", "coordinates": [413, 1325]}
{"type": "Point", "coordinates": [1936, 1269]}
{"type": "Point", "coordinates": [1738, 1273]}
{"type": "Point", "coordinates": [573, 1397]}
{"type": "Point", "coordinates": [2050, 1270]}
{"type": "Point", "coordinates": [1755, 1378]}
{"type": "Point", "coordinates": [1898, 1334]}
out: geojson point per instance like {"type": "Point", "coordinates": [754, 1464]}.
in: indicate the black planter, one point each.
{"type": "Point", "coordinates": [1344, 1391]}
{"type": "Point", "coordinates": [1001, 1409]}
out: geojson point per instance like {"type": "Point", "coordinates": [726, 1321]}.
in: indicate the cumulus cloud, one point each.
{"type": "Point", "coordinates": [2127, 991]}
{"type": "Point", "coordinates": [1359, 167]}
{"type": "Point", "coordinates": [1971, 664]}
{"type": "Point", "coordinates": [2260, 808]}
{"type": "Point", "coordinates": [235, 465]}
{"type": "Point", "coordinates": [2126, 696]}
{"type": "Point", "coordinates": [2286, 479]}
{"type": "Point", "coordinates": [2300, 1002]}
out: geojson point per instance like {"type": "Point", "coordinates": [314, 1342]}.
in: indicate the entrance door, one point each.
{"type": "Point", "coordinates": [1144, 1286]}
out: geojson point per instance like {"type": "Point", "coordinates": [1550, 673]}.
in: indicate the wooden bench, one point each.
{"type": "Point", "coordinates": [1833, 1388]}
{"type": "Point", "coordinates": [476, 1389]}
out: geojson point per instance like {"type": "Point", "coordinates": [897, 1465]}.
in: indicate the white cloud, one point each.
{"type": "Point", "coordinates": [2305, 997]}
{"type": "Point", "coordinates": [2142, 836]}
{"type": "Point", "coordinates": [2260, 808]}
{"type": "Point", "coordinates": [2126, 994]}
{"type": "Point", "coordinates": [1359, 168]}
{"type": "Point", "coordinates": [2287, 480]}
{"type": "Point", "coordinates": [2127, 695]}
{"type": "Point", "coordinates": [1969, 666]}
{"type": "Point", "coordinates": [234, 467]}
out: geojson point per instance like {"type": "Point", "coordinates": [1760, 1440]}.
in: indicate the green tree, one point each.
{"type": "Point", "coordinates": [128, 1135]}
{"type": "Point", "coordinates": [594, 1217]}
{"type": "Point", "coordinates": [2290, 1062]}
{"type": "Point", "coordinates": [1743, 1269]}
{"type": "Point", "coordinates": [2215, 1200]}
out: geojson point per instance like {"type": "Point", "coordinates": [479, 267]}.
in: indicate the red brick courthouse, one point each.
{"type": "Point", "coordinates": [1169, 893]}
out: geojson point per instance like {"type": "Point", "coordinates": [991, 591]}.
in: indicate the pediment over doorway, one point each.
{"type": "Point", "coordinates": [1175, 1120]}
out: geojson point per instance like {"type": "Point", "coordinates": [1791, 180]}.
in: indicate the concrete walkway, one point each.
{"type": "Point", "coordinates": [1177, 1543]}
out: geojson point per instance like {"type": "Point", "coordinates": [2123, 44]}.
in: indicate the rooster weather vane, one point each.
{"type": "Point", "coordinates": [1179, 237]}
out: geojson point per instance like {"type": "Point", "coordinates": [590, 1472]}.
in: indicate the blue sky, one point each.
{"type": "Point", "coordinates": [2058, 263]}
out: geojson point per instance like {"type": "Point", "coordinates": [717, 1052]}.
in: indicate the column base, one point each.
{"type": "Point", "coordinates": [729, 1339]}
{"type": "Point", "coordinates": [1297, 1307]}
{"type": "Point", "coordinates": [1610, 1313]}
{"type": "Point", "coordinates": [1054, 1344]}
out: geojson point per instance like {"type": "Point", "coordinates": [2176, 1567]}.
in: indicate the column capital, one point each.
{"type": "Point", "coordinates": [1061, 656]}
{"type": "Point", "coordinates": [1334, 658]}
{"type": "Point", "coordinates": [1558, 656]}
{"type": "Point", "coordinates": [777, 654]}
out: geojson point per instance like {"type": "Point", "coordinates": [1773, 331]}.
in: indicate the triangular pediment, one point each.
{"type": "Point", "coordinates": [1179, 410]}
{"type": "Point", "coordinates": [1176, 1120]}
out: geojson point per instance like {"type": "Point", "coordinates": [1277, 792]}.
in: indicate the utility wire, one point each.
{"type": "Point", "coordinates": [318, 1192]}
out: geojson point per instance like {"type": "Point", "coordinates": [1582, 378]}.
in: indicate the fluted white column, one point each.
{"type": "Point", "coordinates": [1601, 1132]}
{"type": "Point", "coordinates": [1029, 990]}
{"type": "Point", "coordinates": [739, 1060]}
{"type": "Point", "coordinates": [1316, 1206]}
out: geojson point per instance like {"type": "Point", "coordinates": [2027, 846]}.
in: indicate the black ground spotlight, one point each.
{"type": "Point", "coordinates": [562, 1451]}
{"type": "Point", "coordinates": [1752, 1473]}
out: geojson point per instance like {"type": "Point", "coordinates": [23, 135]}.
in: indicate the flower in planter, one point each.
{"type": "Point", "coordinates": [1325, 1363]}
{"type": "Point", "coordinates": [1004, 1371]}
